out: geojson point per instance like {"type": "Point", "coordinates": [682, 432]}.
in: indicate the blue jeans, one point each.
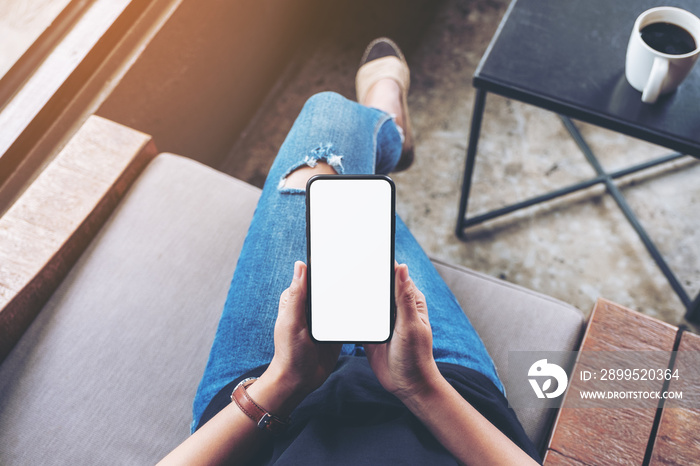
{"type": "Point", "coordinates": [352, 139]}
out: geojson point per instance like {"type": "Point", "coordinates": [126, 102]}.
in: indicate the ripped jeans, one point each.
{"type": "Point", "coordinates": [352, 139]}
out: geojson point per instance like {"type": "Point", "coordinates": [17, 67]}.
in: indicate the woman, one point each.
{"type": "Point", "coordinates": [428, 396]}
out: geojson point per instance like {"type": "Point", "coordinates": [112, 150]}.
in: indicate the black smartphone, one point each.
{"type": "Point", "coordinates": [350, 225]}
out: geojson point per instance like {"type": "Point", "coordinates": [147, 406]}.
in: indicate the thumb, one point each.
{"type": "Point", "coordinates": [405, 294]}
{"type": "Point", "coordinates": [294, 298]}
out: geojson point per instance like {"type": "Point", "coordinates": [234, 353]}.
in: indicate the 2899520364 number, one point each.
{"type": "Point", "coordinates": [639, 374]}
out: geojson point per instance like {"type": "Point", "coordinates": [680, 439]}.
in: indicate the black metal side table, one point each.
{"type": "Point", "coordinates": [569, 57]}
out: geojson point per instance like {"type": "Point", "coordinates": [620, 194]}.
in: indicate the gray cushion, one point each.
{"type": "Point", "coordinates": [512, 318]}
{"type": "Point", "coordinates": [107, 372]}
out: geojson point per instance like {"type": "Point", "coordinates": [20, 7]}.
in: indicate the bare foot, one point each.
{"type": "Point", "coordinates": [385, 95]}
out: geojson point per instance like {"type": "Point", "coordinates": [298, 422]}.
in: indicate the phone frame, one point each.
{"type": "Point", "coordinates": [392, 298]}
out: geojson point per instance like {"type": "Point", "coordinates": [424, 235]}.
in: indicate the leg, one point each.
{"type": "Point", "coordinates": [330, 133]}
{"type": "Point", "coordinates": [454, 339]}
{"type": "Point", "coordinates": [693, 310]}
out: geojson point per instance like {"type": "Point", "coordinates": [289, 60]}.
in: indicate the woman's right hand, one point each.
{"type": "Point", "coordinates": [299, 365]}
{"type": "Point", "coordinates": [405, 365]}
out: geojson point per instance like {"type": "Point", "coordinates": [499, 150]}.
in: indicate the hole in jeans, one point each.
{"type": "Point", "coordinates": [321, 161]}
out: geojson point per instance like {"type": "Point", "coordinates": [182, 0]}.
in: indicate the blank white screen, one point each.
{"type": "Point", "coordinates": [350, 224]}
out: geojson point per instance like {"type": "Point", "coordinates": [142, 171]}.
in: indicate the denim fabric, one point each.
{"type": "Point", "coordinates": [353, 139]}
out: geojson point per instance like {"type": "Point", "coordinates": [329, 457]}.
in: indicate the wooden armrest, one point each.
{"type": "Point", "coordinates": [46, 230]}
{"type": "Point", "coordinates": [619, 435]}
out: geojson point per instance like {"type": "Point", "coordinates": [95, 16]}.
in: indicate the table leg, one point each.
{"type": "Point", "coordinates": [632, 219]}
{"type": "Point", "coordinates": [692, 307]}
{"type": "Point", "coordinates": [477, 116]}
{"type": "Point", "coordinates": [693, 310]}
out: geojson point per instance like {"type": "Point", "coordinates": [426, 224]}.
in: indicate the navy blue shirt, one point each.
{"type": "Point", "coordinates": [352, 420]}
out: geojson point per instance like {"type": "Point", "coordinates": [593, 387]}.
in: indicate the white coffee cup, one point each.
{"type": "Point", "coordinates": [652, 72]}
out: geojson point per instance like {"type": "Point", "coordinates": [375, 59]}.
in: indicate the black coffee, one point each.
{"type": "Point", "coordinates": [668, 38]}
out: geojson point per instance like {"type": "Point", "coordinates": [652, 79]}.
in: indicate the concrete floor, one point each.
{"type": "Point", "coordinates": [575, 249]}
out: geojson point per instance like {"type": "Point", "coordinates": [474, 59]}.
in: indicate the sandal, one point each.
{"type": "Point", "coordinates": [383, 59]}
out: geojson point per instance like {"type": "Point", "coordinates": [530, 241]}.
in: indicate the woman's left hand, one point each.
{"type": "Point", "coordinates": [301, 365]}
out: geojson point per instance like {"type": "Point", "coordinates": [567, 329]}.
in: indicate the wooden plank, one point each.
{"type": "Point", "coordinates": [21, 23]}
{"type": "Point", "coordinates": [615, 328]}
{"type": "Point", "coordinates": [61, 74]}
{"type": "Point", "coordinates": [678, 438]}
{"type": "Point", "coordinates": [610, 435]}
{"type": "Point", "coordinates": [555, 458]}
{"type": "Point", "coordinates": [51, 224]}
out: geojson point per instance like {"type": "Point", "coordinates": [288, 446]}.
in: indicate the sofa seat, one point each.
{"type": "Point", "coordinates": [107, 372]}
